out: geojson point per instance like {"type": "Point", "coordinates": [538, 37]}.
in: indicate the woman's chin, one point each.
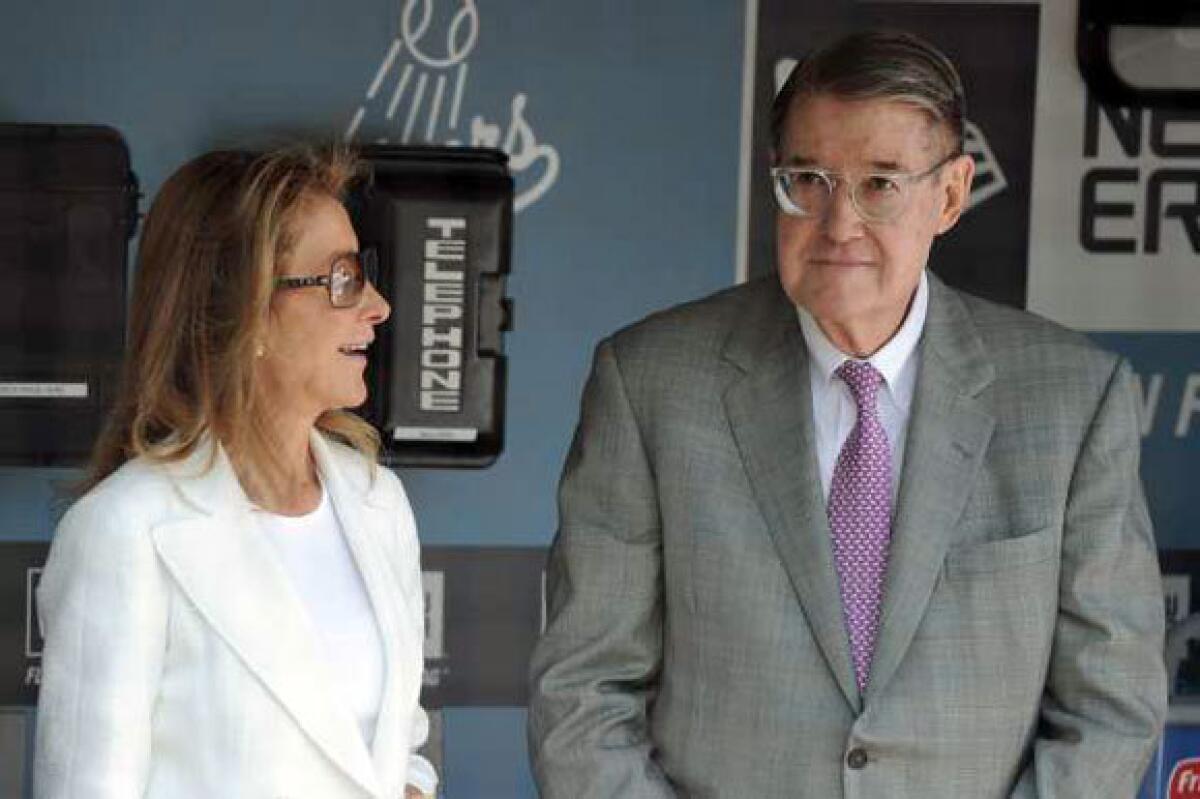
{"type": "Point", "coordinates": [359, 398]}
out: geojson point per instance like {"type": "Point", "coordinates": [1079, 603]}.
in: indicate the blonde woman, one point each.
{"type": "Point", "coordinates": [234, 608]}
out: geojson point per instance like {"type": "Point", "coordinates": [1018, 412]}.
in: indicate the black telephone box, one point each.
{"type": "Point", "coordinates": [441, 220]}
{"type": "Point", "coordinates": [68, 207]}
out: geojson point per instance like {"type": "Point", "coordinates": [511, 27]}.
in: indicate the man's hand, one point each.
{"type": "Point", "coordinates": [411, 792]}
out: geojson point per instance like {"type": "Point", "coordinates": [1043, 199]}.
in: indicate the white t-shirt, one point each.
{"type": "Point", "coordinates": [315, 555]}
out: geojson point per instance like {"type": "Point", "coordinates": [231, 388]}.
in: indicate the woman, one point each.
{"type": "Point", "coordinates": [234, 608]}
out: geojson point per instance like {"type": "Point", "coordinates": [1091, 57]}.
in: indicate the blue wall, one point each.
{"type": "Point", "coordinates": [639, 101]}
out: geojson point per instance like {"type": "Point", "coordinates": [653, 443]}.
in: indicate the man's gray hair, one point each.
{"type": "Point", "coordinates": [877, 65]}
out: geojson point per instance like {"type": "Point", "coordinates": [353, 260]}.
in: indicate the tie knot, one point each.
{"type": "Point", "coordinates": [863, 379]}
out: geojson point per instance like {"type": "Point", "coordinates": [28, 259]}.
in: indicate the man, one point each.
{"type": "Point", "coordinates": [849, 532]}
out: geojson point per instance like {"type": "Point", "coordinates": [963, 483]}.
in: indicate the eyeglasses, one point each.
{"type": "Point", "coordinates": [347, 279]}
{"type": "Point", "coordinates": [877, 196]}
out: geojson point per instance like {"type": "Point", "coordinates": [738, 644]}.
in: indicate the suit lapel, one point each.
{"type": "Point", "coordinates": [367, 520]}
{"type": "Point", "coordinates": [237, 584]}
{"type": "Point", "coordinates": [769, 407]}
{"type": "Point", "coordinates": [948, 434]}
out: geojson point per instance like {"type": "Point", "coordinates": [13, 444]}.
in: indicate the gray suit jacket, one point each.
{"type": "Point", "coordinates": [696, 646]}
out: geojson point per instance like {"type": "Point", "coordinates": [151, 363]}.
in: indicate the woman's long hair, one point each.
{"type": "Point", "coordinates": [211, 246]}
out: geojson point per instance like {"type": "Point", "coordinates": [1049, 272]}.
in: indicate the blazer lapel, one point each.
{"type": "Point", "coordinates": [367, 520]}
{"type": "Point", "coordinates": [948, 434]}
{"type": "Point", "coordinates": [238, 585]}
{"type": "Point", "coordinates": [770, 412]}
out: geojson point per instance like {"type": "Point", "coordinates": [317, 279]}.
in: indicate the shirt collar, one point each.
{"type": "Point", "coordinates": [890, 359]}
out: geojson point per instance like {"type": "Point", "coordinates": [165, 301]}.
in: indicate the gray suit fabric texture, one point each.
{"type": "Point", "coordinates": [695, 643]}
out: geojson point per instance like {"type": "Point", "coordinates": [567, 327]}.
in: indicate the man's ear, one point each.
{"type": "Point", "coordinates": [956, 191]}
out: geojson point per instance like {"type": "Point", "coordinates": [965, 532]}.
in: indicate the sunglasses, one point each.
{"type": "Point", "coordinates": [347, 278]}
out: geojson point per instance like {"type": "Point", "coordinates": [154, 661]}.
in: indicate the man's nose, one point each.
{"type": "Point", "coordinates": [841, 221]}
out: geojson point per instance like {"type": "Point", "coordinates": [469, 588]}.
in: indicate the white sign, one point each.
{"type": "Point", "coordinates": [33, 622]}
{"type": "Point", "coordinates": [456, 434]}
{"type": "Point", "coordinates": [43, 390]}
{"type": "Point", "coordinates": [434, 583]}
{"type": "Point", "coordinates": [1115, 206]}
{"type": "Point", "coordinates": [1177, 596]}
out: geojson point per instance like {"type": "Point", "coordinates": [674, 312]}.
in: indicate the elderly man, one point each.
{"type": "Point", "coordinates": [849, 532]}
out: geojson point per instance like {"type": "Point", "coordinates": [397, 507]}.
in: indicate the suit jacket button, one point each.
{"type": "Point", "coordinates": [857, 758]}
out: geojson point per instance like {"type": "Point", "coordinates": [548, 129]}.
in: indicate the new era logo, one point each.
{"type": "Point", "coordinates": [1185, 779]}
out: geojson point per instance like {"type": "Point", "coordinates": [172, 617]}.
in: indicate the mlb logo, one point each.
{"type": "Point", "coordinates": [33, 623]}
{"type": "Point", "coordinates": [434, 583]}
{"type": "Point", "coordinates": [1185, 779]}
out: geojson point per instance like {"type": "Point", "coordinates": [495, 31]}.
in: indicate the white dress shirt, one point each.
{"type": "Point", "coordinates": [834, 409]}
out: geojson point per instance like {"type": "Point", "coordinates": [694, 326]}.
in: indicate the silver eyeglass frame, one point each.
{"type": "Point", "coordinates": [780, 175]}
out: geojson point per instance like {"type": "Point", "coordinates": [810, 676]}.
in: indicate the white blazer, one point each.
{"type": "Point", "coordinates": [179, 662]}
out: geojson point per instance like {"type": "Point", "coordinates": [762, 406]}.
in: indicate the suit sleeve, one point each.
{"type": "Point", "coordinates": [1105, 699]}
{"type": "Point", "coordinates": [406, 556]}
{"type": "Point", "coordinates": [103, 608]}
{"type": "Point", "coordinates": [421, 774]}
{"type": "Point", "coordinates": [594, 672]}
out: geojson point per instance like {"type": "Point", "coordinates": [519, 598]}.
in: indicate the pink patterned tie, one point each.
{"type": "Point", "coordinates": [860, 516]}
